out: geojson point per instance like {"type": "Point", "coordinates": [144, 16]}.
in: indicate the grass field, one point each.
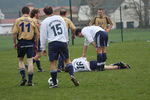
{"type": "Point", "coordinates": [128, 84]}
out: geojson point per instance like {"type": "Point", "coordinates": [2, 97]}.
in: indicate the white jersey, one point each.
{"type": "Point", "coordinates": [80, 64]}
{"type": "Point", "coordinates": [53, 28]}
{"type": "Point", "coordinates": [89, 33]}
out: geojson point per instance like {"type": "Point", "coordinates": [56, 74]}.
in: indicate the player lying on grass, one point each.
{"type": "Point", "coordinates": [81, 64]}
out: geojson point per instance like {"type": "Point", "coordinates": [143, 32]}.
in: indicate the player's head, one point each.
{"type": "Point", "coordinates": [25, 10]}
{"type": "Point", "coordinates": [63, 12]}
{"type": "Point", "coordinates": [35, 13]}
{"type": "Point", "coordinates": [78, 32]}
{"type": "Point", "coordinates": [100, 12]}
{"type": "Point", "coordinates": [48, 10]}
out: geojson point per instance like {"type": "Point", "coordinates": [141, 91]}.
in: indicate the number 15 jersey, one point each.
{"type": "Point", "coordinates": [53, 28]}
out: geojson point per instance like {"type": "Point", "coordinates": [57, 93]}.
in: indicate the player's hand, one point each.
{"type": "Point", "coordinates": [44, 53]}
{"type": "Point", "coordinates": [107, 30]}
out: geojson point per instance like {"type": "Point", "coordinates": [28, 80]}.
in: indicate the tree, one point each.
{"type": "Point", "coordinates": [141, 9]}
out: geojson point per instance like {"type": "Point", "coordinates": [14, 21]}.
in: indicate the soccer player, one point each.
{"type": "Point", "coordinates": [53, 29]}
{"type": "Point", "coordinates": [35, 13]}
{"type": "Point", "coordinates": [26, 32]}
{"type": "Point", "coordinates": [81, 64]}
{"type": "Point", "coordinates": [102, 20]}
{"type": "Point", "coordinates": [69, 25]}
{"type": "Point", "coordinates": [98, 37]}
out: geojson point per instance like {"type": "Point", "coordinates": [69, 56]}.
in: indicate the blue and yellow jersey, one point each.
{"type": "Point", "coordinates": [25, 28]}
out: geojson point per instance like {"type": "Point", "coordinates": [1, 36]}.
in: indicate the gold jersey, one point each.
{"type": "Point", "coordinates": [101, 21]}
{"type": "Point", "coordinates": [25, 28]}
{"type": "Point", "coordinates": [69, 24]}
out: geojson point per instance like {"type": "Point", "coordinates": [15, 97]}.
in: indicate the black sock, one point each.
{"type": "Point", "coordinates": [100, 63]}
{"type": "Point", "coordinates": [34, 61]}
{"type": "Point", "coordinates": [38, 64]}
{"type": "Point", "coordinates": [30, 77]}
{"type": "Point", "coordinates": [70, 69]}
{"type": "Point", "coordinates": [22, 72]}
{"type": "Point", "coordinates": [54, 76]}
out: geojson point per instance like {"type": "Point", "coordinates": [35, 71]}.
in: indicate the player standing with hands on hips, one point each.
{"type": "Point", "coordinates": [98, 37]}
{"type": "Point", "coordinates": [26, 32]}
{"type": "Point", "coordinates": [53, 29]}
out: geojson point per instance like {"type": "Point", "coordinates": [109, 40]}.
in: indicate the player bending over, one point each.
{"type": "Point", "coordinates": [98, 37]}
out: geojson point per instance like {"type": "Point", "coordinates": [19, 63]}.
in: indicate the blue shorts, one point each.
{"type": "Point", "coordinates": [57, 48]}
{"type": "Point", "coordinates": [101, 39]}
{"type": "Point", "coordinates": [25, 47]}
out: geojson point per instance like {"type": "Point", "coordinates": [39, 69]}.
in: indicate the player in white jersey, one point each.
{"type": "Point", "coordinates": [81, 65]}
{"type": "Point", "coordinates": [53, 29]}
{"type": "Point", "coordinates": [98, 37]}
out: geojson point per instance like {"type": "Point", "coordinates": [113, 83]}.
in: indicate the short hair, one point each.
{"type": "Point", "coordinates": [48, 10]}
{"type": "Point", "coordinates": [63, 12]}
{"type": "Point", "coordinates": [101, 9]}
{"type": "Point", "coordinates": [25, 10]}
{"type": "Point", "coordinates": [78, 30]}
{"type": "Point", "coordinates": [33, 12]}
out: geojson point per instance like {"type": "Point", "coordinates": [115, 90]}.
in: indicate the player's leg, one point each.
{"type": "Point", "coordinates": [53, 52]}
{"type": "Point", "coordinates": [60, 63]}
{"type": "Point", "coordinates": [69, 65]}
{"type": "Point", "coordinates": [53, 72]}
{"type": "Point", "coordinates": [101, 39]}
{"type": "Point", "coordinates": [21, 54]}
{"type": "Point", "coordinates": [29, 53]}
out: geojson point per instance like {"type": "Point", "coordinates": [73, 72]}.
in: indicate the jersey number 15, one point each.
{"type": "Point", "coordinates": [57, 29]}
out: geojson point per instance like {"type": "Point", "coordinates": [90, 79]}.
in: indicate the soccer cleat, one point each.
{"type": "Point", "coordinates": [75, 82]}
{"type": "Point", "coordinates": [123, 65]}
{"type": "Point", "coordinates": [30, 84]}
{"type": "Point", "coordinates": [23, 82]}
{"type": "Point", "coordinates": [54, 86]}
{"type": "Point", "coordinates": [41, 70]}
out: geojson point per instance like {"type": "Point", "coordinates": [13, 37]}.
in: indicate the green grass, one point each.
{"type": "Point", "coordinates": [128, 84]}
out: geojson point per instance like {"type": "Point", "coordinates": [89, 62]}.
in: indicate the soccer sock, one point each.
{"type": "Point", "coordinates": [60, 63]}
{"type": "Point", "coordinates": [100, 63]}
{"type": "Point", "coordinates": [104, 57]}
{"type": "Point", "coordinates": [38, 64]}
{"type": "Point", "coordinates": [30, 77]}
{"type": "Point", "coordinates": [33, 61]}
{"type": "Point", "coordinates": [70, 69]}
{"type": "Point", "coordinates": [54, 76]}
{"type": "Point", "coordinates": [22, 72]}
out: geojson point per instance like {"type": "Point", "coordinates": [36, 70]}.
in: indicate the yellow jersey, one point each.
{"type": "Point", "coordinates": [102, 22]}
{"type": "Point", "coordinates": [25, 28]}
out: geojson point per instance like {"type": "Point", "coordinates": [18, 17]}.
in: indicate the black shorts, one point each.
{"type": "Point", "coordinates": [57, 48]}
{"type": "Point", "coordinates": [101, 39]}
{"type": "Point", "coordinates": [25, 47]}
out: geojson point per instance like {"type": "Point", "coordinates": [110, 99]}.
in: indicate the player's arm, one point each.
{"type": "Point", "coordinates": [110, 24]}
{"type": "Point", "coordinates": [43, 37]}
{"type": "Point", "coordinates": [72, 27]}
{"type": "Point", "coordinates": [14, 34]}
{"type": "Point", "coordinates": [85, 47]}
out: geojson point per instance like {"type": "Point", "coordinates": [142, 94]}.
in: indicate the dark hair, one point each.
{"type": "Point", "coordinates": [63, 12]}
{"type": "Point", "coordinates": [78, 30]}
{"type": "Point", "coordinates": [100, 9]}
{"type": "Point", "coordinates": [48, 10]}
{"type": "Point", "coordinates": [25, 10]}
{"type": "Point", "coordinates": [33, 12]}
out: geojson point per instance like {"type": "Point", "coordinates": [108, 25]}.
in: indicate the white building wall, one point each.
{"type": "Point", "coordinates": [5, 28]}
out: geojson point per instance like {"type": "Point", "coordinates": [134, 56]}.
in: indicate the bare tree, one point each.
{"type": "Point", "coordinates": [141, 9]}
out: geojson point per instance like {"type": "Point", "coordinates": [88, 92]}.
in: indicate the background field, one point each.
{"type": "Point", "coordinates": [128, 84]}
